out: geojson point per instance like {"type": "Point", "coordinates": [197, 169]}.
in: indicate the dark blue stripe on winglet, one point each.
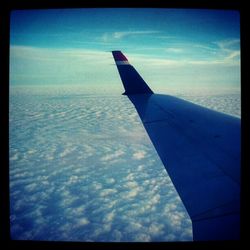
{"type": "Point", "coordinates": [132, 81]}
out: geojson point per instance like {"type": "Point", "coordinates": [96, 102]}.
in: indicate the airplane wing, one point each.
{"type": "Point", "coordinates": [200, 149]}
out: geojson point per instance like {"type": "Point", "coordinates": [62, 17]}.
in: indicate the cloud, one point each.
{"type": "Point", "coordinates": [14, 157]}
{"type": "Point", "coordinates": [233, 55]}
{"type": "Point", "coordinates": [133, 227]}
{"type": "Point", "coordinates": [131, 184]}
{"type": "Point", "coordinates": [120, 35]}
{"type": "Point", "coordinates": [82, 222]}
{"type": "Point", "coordinates": [175, 220]}
{"type": "Point", "coordinates": [116, 235]}
{"type": "Point", "coordinates": [83, 197]}
{"type": "Point", "coordinates": [205, 47]}
{"type": "Point", "coordinates": [106, 37]}
{"type": "Point", "coordinates": [155, 199]}
{"type": "Point", "coordinates": [65, 152]}
{"type": "Point", "coordinates": [223, 102]}
{"type": "Point", "coordinates": [130, 177]}
{"type": "Point", "coordinates": [227, 44]}
{"type": "Point", "coordinates": [96, 186]}
{"type": "Point", "coordinates": [109, 217]}
{"type": "Point", "coordinates": [107, 192]}
{"type": "Point", "coordinates": [112, 156]}
{"type": "Point", "coordinates": [67, 199]}
{"type": "Point", "coordinates": [181, 62]}
{"type": "Point", "coordinates": [222, 53]}
{"type": "Point", "coordinates": [174, 50]}
{"type": "Point", "coordinates": [230, 49]}
{"type": "Point", "coordinates": [170, 237]}
{"type": "Point", "coordinates": [142, 237]}
{"type": "Point", "coordinates": [141, 167]}
{"type": "Point", "coordinates": [101, 230]}
{"type": "Point", "coordinates": [72, 180]}
{"type": "Point", "coordinates": [139, 155]}
{"type": "Point", "coordinates": [169, 208]}
{"type": "Point", "coordinates": [156, 229]}
{"type": "Point", "coordinates": [79, 211]}
{"type": "Point", "coordinates": [90, 199]}
{"type": "Point", "coordinates": [132, 193]}
{"type": "Point", "coordinates": [31, 187]}
{"type": "Point", "coordinates": [19, 205]}
{"type": "Point", "coordinates": [110, 181]}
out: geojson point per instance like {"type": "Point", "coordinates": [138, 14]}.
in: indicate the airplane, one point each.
{"type": "Point", "coordinates": [200, 149]}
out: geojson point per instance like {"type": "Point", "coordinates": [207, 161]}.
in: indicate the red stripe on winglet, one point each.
{"type": "Point", "coordinates": [118, 56]}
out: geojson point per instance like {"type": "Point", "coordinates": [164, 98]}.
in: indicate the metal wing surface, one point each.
{"type": "Point", "coordinates": [200, 149]}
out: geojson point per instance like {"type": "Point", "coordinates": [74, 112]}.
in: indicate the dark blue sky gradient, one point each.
{"type": "Point", "coordinates": [49, 28]}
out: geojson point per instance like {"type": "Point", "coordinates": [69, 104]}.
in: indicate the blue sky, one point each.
{"type": "Point", "coordinates": [170, 48]}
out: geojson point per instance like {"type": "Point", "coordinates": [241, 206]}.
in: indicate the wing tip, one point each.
{"type": "Point", "coordinates": [118, 56]}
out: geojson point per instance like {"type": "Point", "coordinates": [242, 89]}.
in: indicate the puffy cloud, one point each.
{"type": "Point", "coordinates": [156, 229]}
{"type": "Point", "coordinates": [112, 156]}
{"type": "Point", "coordinates": [31, 187]}
{"type": "Point", "coordinates": [223, 101]}
{"type": "Point", "coordinates": [100, 230]}
{"type": "Point", "coordinates": [133, 227]}
{"type": "Point", "coordinates": [96, 185]}
{"type": "Point", "coordinates": [131, 184]}
{"type": "Point", "coordinates": [169, 208]}
{"type": "Point", "coordinates": [14, 157]}
{"type": "Point", "coordinates": [110, 180]}
{"type": "Point", "coordinates": [116, 235]}
{"type": "Point", "coordinates": [139, 155]}
{"type": "Point", "coordinates": [141, 237]}
{"type": "Point", "coordinates": [109, 217]}
{"type": "Point", "coordinates": [130, 177]}
{"type": "Point", "coordinates": [82, 222]}
{"type": "Point", "coordinates": [94, 191]}
{"type": "Point", "coordinates": [65, 152]}
{"type": "Point", "coordinates": [72, 180]}
{"type": "Point", "coordinates": [170, 237]}
{"type": "Point", "coordinates": [107, 192]}
{"type": "Point", "coordinates": [131, 194]}
{"type": "Point", "coordinates": [155, 199]}
{"type": "Point", "coordinates": [141, 167]}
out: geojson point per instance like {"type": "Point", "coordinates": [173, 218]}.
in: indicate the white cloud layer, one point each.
{"type": "Point", "coordinates": [69, 199]}
{"type": "Point", "coordinates": [87, 177]}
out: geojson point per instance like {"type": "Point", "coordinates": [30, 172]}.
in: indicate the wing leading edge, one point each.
{"type": "Point", "coordinates": [200, 149]}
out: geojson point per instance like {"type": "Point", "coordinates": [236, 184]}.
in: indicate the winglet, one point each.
{"type": "Point", "coordinates": [119, 57]}
{"type": "Point", "coordinates": [132, 81]}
